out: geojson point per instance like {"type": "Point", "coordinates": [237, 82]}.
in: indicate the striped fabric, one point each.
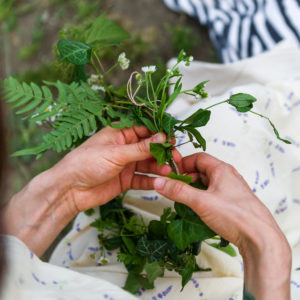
{"type": "Point", "coordinates": [243, 28]}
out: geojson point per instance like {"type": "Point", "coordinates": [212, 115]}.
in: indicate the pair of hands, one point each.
{"type": "Point", "coordinates": [106, 165]}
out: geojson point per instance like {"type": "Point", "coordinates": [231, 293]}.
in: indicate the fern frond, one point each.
{"type": "Point", "coordinates": [29, 99]}
{"type": "Point", "coordinates": [78, 110]}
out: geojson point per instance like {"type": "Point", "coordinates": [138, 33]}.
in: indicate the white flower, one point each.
{"type": "Point", "coordinates": [96, 87]}
{"type": "Point", "coordinates": [191, 58]}
{"type": "Point", "coordinates": [93, 79]}
{"type": "Point", "coordinates": [197, 96]}
{"type": "Point", "coordinates": [123, 61]}
{"type": "Point", "coordinates": [149, 69]}
{"type": "Point", "coordinates": [103, 260]}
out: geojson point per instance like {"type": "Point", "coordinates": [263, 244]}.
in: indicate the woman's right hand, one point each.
{"type": "Point", "coordinates": [231, 209]}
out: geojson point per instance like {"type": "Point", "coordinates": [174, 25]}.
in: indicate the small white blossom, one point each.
{"type": "Point", "coordinates": [149, 69]}
{"type": "Point", "coordinates": [96, 87]}
{"type": "Point", "coordinates": [123, 61]}
{"type": "Point", "coordinates": [103, 260]}
{"type": "Point", "coordinates": [191, 58]}
{"type": "Point", "coordinates": [197, 96]}
{"type": "Point", "coordinates": [93, 79]}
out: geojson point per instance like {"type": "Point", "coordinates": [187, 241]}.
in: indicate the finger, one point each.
{"type": "Point", "coordinates": [178, 191]}
{"type": "Point", "coordinates": [142, 182]}
{"type": "Point", "coordinates": [150, 166]}
{"type": "Point", "coordinates": [138, 151]}
{"type": "Point", "coordinates": [200, 162]}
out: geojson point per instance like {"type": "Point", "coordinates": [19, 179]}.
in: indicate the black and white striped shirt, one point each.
{"type": "Point", "coordinates": [243, 28]}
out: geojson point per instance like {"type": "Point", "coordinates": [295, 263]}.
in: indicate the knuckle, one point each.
{"type": "Point", "coordinates": [175, 189]}
{"type": "Point", "coordinates": [141, 147]}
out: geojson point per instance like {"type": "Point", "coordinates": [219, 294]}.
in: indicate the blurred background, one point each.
{"type": "Point", "coordinates": [30, 28]}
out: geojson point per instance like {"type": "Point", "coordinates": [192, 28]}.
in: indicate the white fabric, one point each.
{"type": "Point", "coordinates": [271, 168]}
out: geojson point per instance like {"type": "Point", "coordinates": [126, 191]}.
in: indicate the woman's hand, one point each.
{"type": "Point", "coordinates": [105, 165]}
{"type": "Point", "coordinates": [230, 208]}
{"type": "Point", "coordinates": [91, 175]}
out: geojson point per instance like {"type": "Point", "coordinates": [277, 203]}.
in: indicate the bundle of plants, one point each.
{"type": "Point", "coordinates": [77, 109]}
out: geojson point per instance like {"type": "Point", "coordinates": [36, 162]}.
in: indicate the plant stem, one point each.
{"type": "Point", "coordinates": [217, 104]}
{"type": "Point", "coordinates": [111, 68]}
{"type": "Point", "coordinates": [174, 166]}
{"type": "Point", "coordinates": [99, 62]}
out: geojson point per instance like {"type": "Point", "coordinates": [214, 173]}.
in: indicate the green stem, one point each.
{"type": "Point", "coordinates": [99, 62]}
{"type": "Point", "coordinates": [111, 68]}
{"type": "Point", "coordinates": [225, 101]}
{"type": "Point", "coordinates": [153, 92]}
{"type": "Point", "coordinates": [262, 116]}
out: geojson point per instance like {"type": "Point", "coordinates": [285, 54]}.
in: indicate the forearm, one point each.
{"type": "Point", "coordinates": [39, 212]}
{"type": "Point", "coordinates": [267, 267]}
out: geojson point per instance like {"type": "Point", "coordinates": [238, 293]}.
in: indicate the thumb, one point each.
{"type": "Point", "coordinates": [141, 150]}
{"type": "Point", "coordinates": [179, 191]}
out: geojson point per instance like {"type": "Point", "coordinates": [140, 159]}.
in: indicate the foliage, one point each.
{"type": "Point", "coordinates": [74, 111]}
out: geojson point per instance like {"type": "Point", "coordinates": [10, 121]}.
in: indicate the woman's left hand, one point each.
{"type": "Point", "coordinates": [105, 165]}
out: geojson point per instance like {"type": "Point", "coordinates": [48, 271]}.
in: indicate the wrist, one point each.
{"type": "Point", "coordinates": [267, 263]}
{"type": "Point", "coordinates": [38, 213]}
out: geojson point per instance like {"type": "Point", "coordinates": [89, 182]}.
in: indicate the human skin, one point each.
{"type": "Point", "coordinates": [230, 208]}
{"type": "Point", "coordinates": [91, 175]}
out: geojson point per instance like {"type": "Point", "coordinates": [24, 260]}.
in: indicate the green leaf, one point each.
{"type": "Point", "coordinates": [242, 102]}
{"type": "Point", "coordinates": [277, 133]}
{"type": "Point", "coordinates": [180, 177]}
{"type": "Point", "coordinates": [199, 89]}
{"type": "Point", "coordinates": [154, 270]}
{"type": "Point", "coordinates": [200, 139]}
{"type": "Point", "coordinates": [104, 32]}
{"type": "Point", "coordinates": [149, 124]}
{"type": "Point", "coordinates": [157, 230]}
{"type": "Point", "coordinates": [159, 152]}
{"type": "Point", "coordinates": [154, 249]}
{"type": "Point", "coordinates": [129, 244]}
{"type": "Point", "coordinates": [228, 249]}
{"type": "Point", "coordinates": [168, 123]}
{"type": "Point", "coordinates": [199, 118]}
{"type": "Point", "coordinates": [76, 53]}
{"type": "Point", "coordinates": [89, 212]}
{"type": "Point", "coordinates": [187, 272]}
{"type": "Point", "coordinates": [132, 283]}
{"type": "Point", "coordinates": [188, 230]}
{"type": "Point", "coordinates": [112, 243]}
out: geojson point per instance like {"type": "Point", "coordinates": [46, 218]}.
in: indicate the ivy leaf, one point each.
{"type": "Point", "coordinates": [242, 102]}
{"type": "Point", "coordinates": [157, 230]}
{"type": "Point", "coordinates": [180, 177]}
{"type": "Point", "coordinates": [154, 249]}
{"type": "Point", "coordinates": [228, 249]}
{"type": "Point", "coordinates": [159, 152]}
{"type": "Point", "coordinates": [168, 123]}
{"type": "Point", "coordinates": [199, 118]}
{"type": "Point", "coordinates": [76, 53]}
{"type": "Point", "coordinates": [200, 139]}
{"type": "Point", "coordinates": [104, 32]}
{"type": "Point", "coordinates": [154, 270]}
{"type": "Point", "coordinates": [187, 272]}
{"type": "Point", "coordinates": [186, 231]}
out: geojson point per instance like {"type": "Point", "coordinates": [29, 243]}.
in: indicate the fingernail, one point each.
{"type": "Point", "coordinates": [158, 138]}
{"type": "Point", "coordinates": [159, 183]}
